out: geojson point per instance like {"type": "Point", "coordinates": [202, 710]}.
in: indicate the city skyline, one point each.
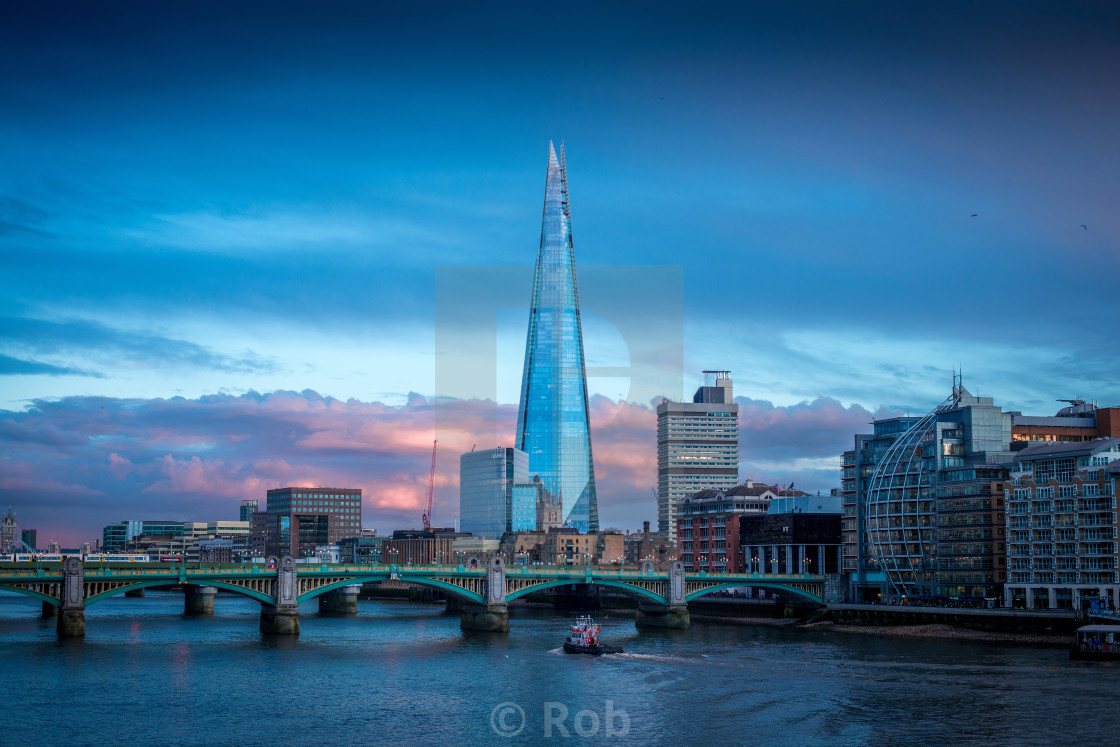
{"type": "Point", "coordinates": [218, 256]}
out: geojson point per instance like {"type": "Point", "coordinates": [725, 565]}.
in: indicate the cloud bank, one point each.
{"type": "Point", "coordinates": [72, 465]}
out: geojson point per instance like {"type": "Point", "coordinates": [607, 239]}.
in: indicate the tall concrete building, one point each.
{"type": "Point", "coordinates": [486, 490]}
{"type": "Point", "coordinates": [553, 425]}
{"type": "Point", "coordinates": [697, 447]}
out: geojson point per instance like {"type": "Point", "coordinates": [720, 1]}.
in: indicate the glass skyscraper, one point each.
{"type": "Point", "coordinates": [487, 495]}
{"type": "Point", "coordinates": [553, 427]}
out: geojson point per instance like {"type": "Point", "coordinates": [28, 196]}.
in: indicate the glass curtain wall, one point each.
{"type": "Point", "coordinates": [552, 420]}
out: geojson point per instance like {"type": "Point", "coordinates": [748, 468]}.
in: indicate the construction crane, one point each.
{"type": "Point", "coordinates": [427, 517]}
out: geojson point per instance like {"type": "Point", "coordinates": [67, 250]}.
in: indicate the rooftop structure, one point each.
{"type": "Point", "coordinates": [1079, 421]}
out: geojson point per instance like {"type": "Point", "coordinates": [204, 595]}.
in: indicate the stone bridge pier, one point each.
{"type": "Point", "coordinates": [342, 601]}
{"type": "Point", "coordinates": [71, 621]}
{"type": "Point", "coordinates": [198, 600]}
{"type": "Point", "coordinates": [493, 616]}
{"type": "Point", "coordinates": [673, 615]}
{"type": "Point", "coordinates": [282, 618]}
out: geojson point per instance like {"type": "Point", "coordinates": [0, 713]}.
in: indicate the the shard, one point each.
{"type": "Point", "coordinates": [553, 427]}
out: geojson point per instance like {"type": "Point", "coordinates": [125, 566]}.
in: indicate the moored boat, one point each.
{"type": "Point", "coordinates": [584, 639]}
{"type": "Point", "coordinates": [1096, 643]}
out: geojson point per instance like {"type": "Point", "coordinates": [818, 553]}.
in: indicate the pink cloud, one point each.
{"type": "Point", "coordinates": [73, 465]}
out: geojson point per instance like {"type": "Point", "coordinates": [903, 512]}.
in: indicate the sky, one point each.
{"type": "Point", "coordinates": [250, 245]}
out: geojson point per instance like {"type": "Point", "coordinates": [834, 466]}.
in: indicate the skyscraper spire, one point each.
{"type": "Point", "coordinates": [553, 426]}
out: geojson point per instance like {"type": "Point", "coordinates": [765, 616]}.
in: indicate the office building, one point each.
{"type": "Point", "coordinates": [797, 535]}
{"type": "Point", "coordinates": [1062, 526]}
{"type": "Point", "coordinates": [934, 505]}
{"type": "Point", "coordinates": [708, 525]}
{"type": "Point", "coordinates": [30, 538]}
{"type": "Point", "coordinates": [364, 549]}
{"type": "Point", "coordinates": [248, 508]}
{"type": "Point", "coordinates": [697, 447]}
{"type": "Point", "coordinates": [858, 564]}
{"type": "Point", "coordinates": [137, 534]}
{"type": "Point", "coordinates": [301, 519]}
{"type": "Point", "coordinates": [487, 505]}
{"type": "Point", "coordinates": [421, 546]}
{"type": "Point", "coordinates": [553, 425]}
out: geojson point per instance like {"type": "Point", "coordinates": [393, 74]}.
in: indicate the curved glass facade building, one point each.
{"type": "Point", "coordinates": [553, 426]}
{"type": "Point", "coordinates": [901, 511]}
{"type": "Point", "coordinates": [934, 509]}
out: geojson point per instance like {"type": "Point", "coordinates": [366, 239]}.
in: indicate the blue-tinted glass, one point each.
{"type": "Point", "coordinates": [552, 420]}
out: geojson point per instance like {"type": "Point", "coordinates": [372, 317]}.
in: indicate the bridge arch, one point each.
{"type": "Point", "coordinates": [258, 596]}
{"type": "Point", "coordinates": [32, 593]}
{"type": "Point", "coordinates": [636, 590]}
{"type": "Point", "coordinates": [756, 584]}
{"type": "Point", "coordinates": [469, 596]}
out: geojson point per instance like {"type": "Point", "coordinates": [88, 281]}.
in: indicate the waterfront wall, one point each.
{"type": "Point", "coordinates": [1001, 621]}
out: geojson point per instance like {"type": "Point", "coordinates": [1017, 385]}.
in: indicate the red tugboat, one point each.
{"type": "Point", "coordinates": [584, 639]}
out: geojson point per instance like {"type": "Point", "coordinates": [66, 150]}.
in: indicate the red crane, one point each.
{"type": "Point", "coordinates": [427, 517]}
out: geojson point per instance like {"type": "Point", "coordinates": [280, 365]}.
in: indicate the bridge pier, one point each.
{"type": "Point", "coordinates": [342, 601]}
{"type": "Point", "coordinates": [493, 616]}
{"type": "Point", "coordinates": [452, 603]}
{"type": "Point", "coordinates": [653, 615]}
{"type": "Point", "coordinates": [280, 620]}
{"type": "Point", "coordinates": [673, 615]}
{"type": "Point", "coordinates": [49, 610]}
{"type": "Point", "coordinates": [72, 615]}
{"type": "Point", "coordinates": [198, 600]}
{"type": "Point", "coordinates": [135, 593]}
{"type": "Point", "coordinates": [487, 618]}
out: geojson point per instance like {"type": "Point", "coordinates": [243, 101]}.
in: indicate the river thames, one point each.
{"type": "Point", "coordinates": [405, 673]}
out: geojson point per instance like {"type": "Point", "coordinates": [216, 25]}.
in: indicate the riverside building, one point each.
{"type": "Point", "coordinates": [708, 525]}
{"type": "Point", "coordinates": [697, 447]}
{"type": "Point", "coordinates": [866, 581]}
{"type": "Point", "coordinates": [933, 507]}
{"type": "Point", "coordinates": [301, 519]}
{"type": "Point", "coordinates": [798, 534]}
{"type": "Point", "coordinates": [1062, 526]}
{"type": "Point", "coordinates": [486, 491]}
{"type": "Point", "coordinates": [553, 425]}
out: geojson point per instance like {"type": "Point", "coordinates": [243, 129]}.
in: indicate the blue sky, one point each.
{"type": "Point", "coordinates": [201, 201]}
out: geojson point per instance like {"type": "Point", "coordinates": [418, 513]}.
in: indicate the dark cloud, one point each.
{"type": "Point", "coordinates": [10, 366]}
{"type": "Point", "coordinates": [821, 428]}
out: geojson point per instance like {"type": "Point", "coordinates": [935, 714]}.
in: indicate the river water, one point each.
{"type": "Point", "coordinates": [400, 673]}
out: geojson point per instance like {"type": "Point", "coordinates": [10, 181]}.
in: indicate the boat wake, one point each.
{"type": "Point", "coordinates": [650, 657]}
